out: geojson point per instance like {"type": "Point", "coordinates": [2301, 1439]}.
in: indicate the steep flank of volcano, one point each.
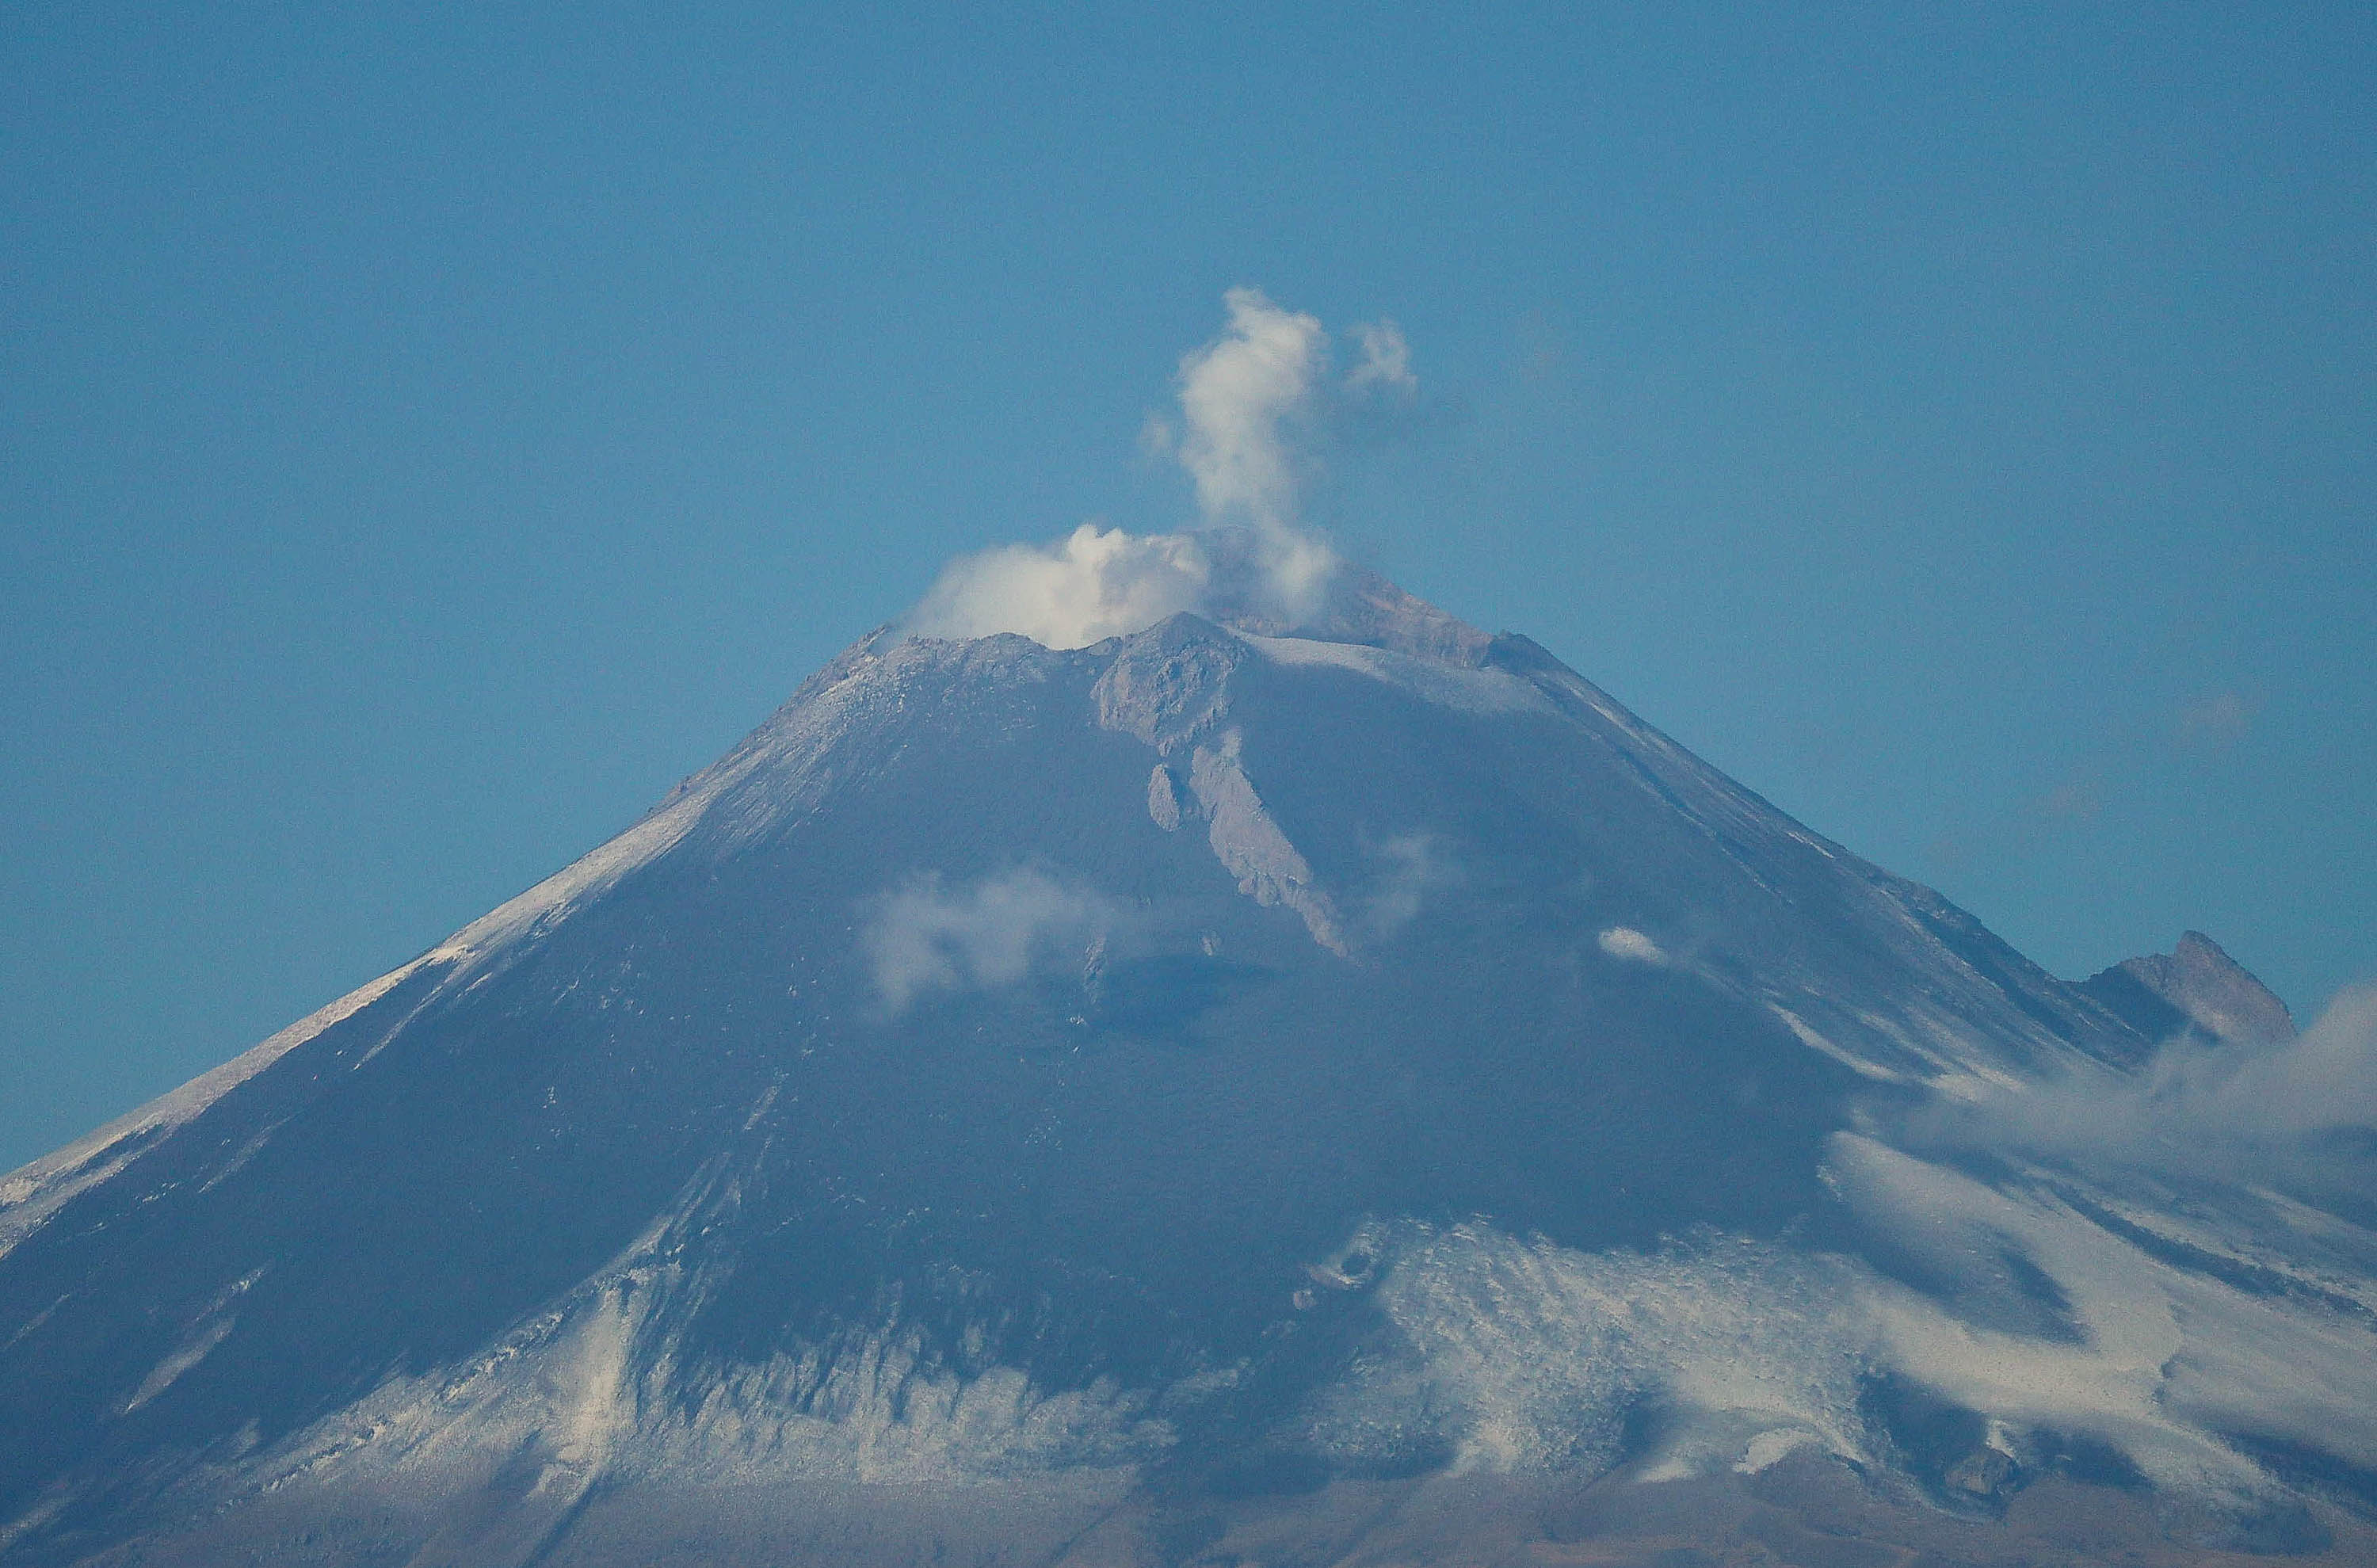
{"type": "Point", "coordinates": [1111, 1082]}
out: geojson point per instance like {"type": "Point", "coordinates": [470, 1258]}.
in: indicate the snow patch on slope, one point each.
{"type": "Point", "coordinates": [1526, 1356]}
{"type": "Point", "coordinates": [1814, 1041]}
{"type": "Point", "coordinates": [599, 1389]}
{"type": "Point", "coordinates": [210, 1328]}
{"type": "Point", "coordinates": [1431, 680]}
{"type": "Point", "coordinates": [1505, 1354]}
{"type": "Point", "coordinates": [2167, 1363]}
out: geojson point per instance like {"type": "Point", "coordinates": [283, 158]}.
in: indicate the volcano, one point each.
{"type": "Point", "coordinates": [1236, 1092]}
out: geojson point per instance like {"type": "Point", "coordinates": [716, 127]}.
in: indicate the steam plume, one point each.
{"type": "Point", "coordinates": [1251, 403]}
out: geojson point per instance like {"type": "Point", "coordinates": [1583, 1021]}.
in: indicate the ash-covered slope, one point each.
{"type": "Point", "coordinates": [1016, 1089]}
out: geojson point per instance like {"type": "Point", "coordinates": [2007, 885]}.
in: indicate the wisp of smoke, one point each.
{"type": "Point", "coordinates": [1414, 869]}
{"type": "Point", "coordinates": [1250, 403]}
{"type": "Point", "coordinates": [987, 934]}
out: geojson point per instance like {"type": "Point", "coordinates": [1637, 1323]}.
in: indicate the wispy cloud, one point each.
{"type": "Point", "coordinates": [978, 936]}
{"type": "Point", "coordinates": [1252, 405]}
{"type": "Point", "coordinates": [1624, 941]}
{"type": "Point", "coordinates": [2224, 1108]}
{"type": "Point", "coordinates": [2073, 802]}
{"type": "Point", "coordinates": [1413, 867]}
{"type": "Point", "coordinates": [1385, 364]}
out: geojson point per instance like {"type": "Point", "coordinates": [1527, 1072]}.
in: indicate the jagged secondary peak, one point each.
{"type": "Point", "coordinates": [2196, 986]}
{"type": "Point", "coordinates": [1360, 607]}
{"type": "Point", "coordinates": [1165, 684]}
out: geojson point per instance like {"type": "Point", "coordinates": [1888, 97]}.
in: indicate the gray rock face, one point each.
{"type": "Point", "coordinates": [1249, 844]}
{"type": "Point", "coordinates": [2197, 987]}
{"type": "Point", "coordinates": [1169, 684]}
{"type": "Point", "coordinates": [1163, 799]}
{"type": "Point", "coordinates": [912, 1139]}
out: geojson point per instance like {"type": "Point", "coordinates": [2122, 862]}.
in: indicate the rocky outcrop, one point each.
{"type": "Point", "coordinates": [2195, 989]}
{"type": "Point", "coordinates": [1166, 685]}
{"type": "Point", "coordinates": [1249, 844]}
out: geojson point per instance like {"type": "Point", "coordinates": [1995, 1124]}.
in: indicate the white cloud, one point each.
{"type": "Point", "coordinates": [979, 936]}
{"type": "Point", "coordinates": [1415, 867]}
{"type": "Point", "coordinates": [1155, 437]}
{"type": "Point", "coordinates": [1089, 585]}
{"type": "Point", "coordinates": [1624, 941]}
{"type": "Point", "coordinates": [2323, 1079]}
{"type": "Point", "coordinates": [2215, 1107]}
{"type": "Point", "coordinates": [1239, 395]}
{"type": "Point", "coordinates": [1250, 402]}
{"type": "Point", "coordinates": [1386, 360]}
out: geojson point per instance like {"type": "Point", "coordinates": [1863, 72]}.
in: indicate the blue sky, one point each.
{"type": "Point", "coordinates": [427, 434]}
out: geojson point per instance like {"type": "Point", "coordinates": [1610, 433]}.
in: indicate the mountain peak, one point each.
{"type": "Point", "coordinates": [1109, 1080]}
{"type": "Point", "coordinates": [2196, 986]}
{"type": "Point", "coordinates": [1362, 608]}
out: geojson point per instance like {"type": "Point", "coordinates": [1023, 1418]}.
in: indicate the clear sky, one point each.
{"type": "Point", "coordinates": [427, 434]}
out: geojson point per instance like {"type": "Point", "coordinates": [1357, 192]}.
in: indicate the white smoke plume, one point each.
{"type": "Point", "coordinates": [1240, 395]}
{"type": "Point", "coordinates": [1252, 404]}
{"type": "Point", "coordinates": [981, 936]}
{"type": "Point", "coordinates": [1086, 587]}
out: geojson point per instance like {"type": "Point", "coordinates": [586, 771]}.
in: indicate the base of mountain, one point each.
{"type": "Point", "coordinates": [1804, 1512]}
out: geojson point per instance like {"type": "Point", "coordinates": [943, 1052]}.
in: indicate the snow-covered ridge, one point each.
{"type": "Point", "coordinates": [32, 1194]}
{"type": "Point", "coordinates": [1462, 687]}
